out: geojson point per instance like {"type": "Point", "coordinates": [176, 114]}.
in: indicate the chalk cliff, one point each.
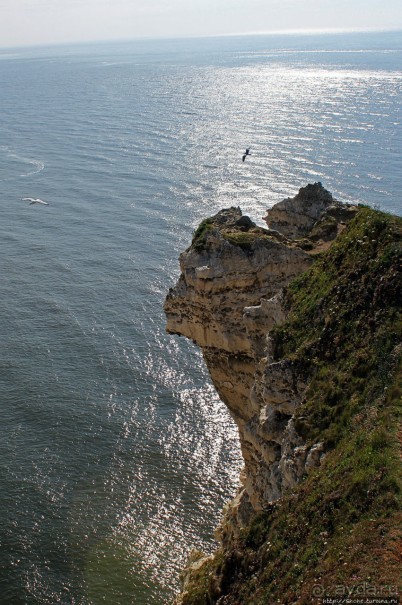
{"type": "Point", "coordinates": [227, 300]}
{"type": "Point", "coordinates": [232, 300]}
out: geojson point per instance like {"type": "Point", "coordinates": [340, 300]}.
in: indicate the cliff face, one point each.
{"type": "Point", "coordinates": [216, 303]}
{"type": "Point", "coordinates": [227, 300]}
{"type": "Point", "coordinates": [303, 364]}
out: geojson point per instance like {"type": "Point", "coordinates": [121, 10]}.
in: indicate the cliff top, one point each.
{"type": "Point", "coordinates": [311, 220]}
{"type": "Point", "coordinates": [234, 227]}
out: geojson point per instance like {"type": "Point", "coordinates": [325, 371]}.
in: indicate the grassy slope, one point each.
{"type": "Point", "coordinates": [343, 523]}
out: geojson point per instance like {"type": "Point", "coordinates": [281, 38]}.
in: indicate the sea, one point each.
{"type": "Point", "coordinates": [116, 455]}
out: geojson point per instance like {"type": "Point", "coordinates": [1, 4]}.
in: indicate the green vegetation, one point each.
{"type": "Point", "coordinates": [342, 525]}
{"type": "Point", "coordinates": [245, 239]}
{"type": "Point", "coordinates": [326, 228]}
{"type": "Point", "coordinates": [344, 324]}
{"type": "Point", "coordinates": [200, 234]}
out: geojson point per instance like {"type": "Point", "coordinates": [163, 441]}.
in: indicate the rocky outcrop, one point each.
{"type": "Point", "coordinates": [311, 372]}
{"type": "Point", "coordinates": [312, 212]}
{"type": "Point", "coordinates": [227, 300]}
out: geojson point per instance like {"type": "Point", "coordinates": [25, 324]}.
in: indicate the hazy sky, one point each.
{"type": "Point", "coordinates": [25, 22]}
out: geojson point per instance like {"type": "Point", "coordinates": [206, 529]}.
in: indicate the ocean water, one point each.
{"type": "Point", "coordinates": [116, 455]}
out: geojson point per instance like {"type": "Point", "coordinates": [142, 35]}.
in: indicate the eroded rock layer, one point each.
{"type": "Point", "coordinates": [227, 300]}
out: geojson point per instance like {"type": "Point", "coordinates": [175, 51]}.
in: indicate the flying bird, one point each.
{"type": "Point", "coordinates": [33, 200]}
{"type": "Point", "coordinates": [246, 154]}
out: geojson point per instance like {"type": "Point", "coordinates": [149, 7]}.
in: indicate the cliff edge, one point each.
{"type": "Point", "coordinates": [299, 325]}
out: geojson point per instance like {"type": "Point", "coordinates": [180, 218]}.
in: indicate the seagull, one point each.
{"type": "Point", "coordinates": [246, 154]}
{"type": "Point", "coordinates": [33, 200]}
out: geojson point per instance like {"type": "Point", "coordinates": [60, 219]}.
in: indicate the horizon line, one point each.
{"type": "Point", "coordinates": [282, 32]}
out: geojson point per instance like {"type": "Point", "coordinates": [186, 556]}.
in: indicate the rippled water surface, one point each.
{"type": "Point", "coordinates": [116, 454]}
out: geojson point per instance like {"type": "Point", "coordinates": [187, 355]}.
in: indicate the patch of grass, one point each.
{"type": "Point", "coordinates": [245, 239]}
{"type": "Point", "coordinates": [338, 526]}
{"type": "Point", "coordinates": [202, 580]}
{"type": "Point", "coordinates": [344, 322]}
{"type": "Point", "coordinates": [199, 236]}
{"type": "Point", "coordinates": [325, 228]}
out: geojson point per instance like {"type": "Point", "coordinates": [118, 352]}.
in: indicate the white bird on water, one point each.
{"type": "Point", "coordinates": [33, 200]}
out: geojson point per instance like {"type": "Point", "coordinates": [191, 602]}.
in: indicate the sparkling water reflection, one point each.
{"type": "Point", "coordinates": [116, 454]}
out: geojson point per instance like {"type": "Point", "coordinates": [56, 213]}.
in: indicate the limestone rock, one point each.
{"type": "Point", "coordinates": [227, 300]}
{"type": "Point", "coordinates": [313, 206]}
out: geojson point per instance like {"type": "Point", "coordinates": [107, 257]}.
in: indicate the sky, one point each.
{"type": "Point", "coordinates": [36, 22]}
